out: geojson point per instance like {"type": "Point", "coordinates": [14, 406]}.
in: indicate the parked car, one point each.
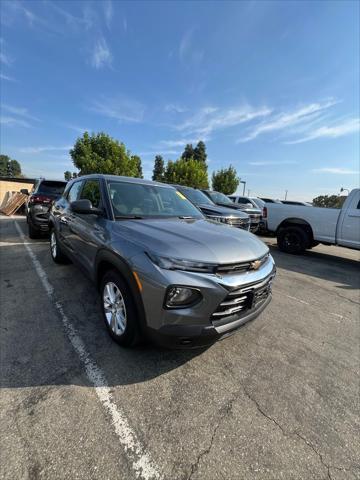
{"type": "Point", "coordinates": [163, 270]}
{"type": "Point", "coordinates": [292, 202]}
{"type": "Point", "coordinates": [299, 228]}
{"type": "Point", "coordinates": [212, 211]}
{"type": "Point", "coordinates": [256, 213]}
{"type": "Point", "coordinates": [270, 200]}
{"type": "Point", "coordinates": [38, 205]}
{"type": "Point", "coordinates": [257, 203]}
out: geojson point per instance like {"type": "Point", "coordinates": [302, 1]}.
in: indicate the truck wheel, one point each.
{"type": "Point", "coordinates": [292, 240]}
{"type": "Point", "coordinates": [119, 309]}
{"type": "Point", "coordinates": [56, 253]}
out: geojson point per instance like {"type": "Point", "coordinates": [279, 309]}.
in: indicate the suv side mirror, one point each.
{"type": "Point", "coordinates": [25, 191]}
{"type": "Point", "coordinates": [85, 207]}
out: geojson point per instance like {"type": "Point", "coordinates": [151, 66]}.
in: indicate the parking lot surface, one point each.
{"type": "Point", "coordinates": [277, 400]}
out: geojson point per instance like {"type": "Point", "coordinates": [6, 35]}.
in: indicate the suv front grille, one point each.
{"type": "Point", "coordinates": [240, 301]}
{"type": "Point", "coordinates": [241, 267]}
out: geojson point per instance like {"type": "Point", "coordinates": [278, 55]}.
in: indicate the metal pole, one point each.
{"type": "Point", "coordinates": [244, 183]}
{"type": "Point", "coordinates": [286, 192]}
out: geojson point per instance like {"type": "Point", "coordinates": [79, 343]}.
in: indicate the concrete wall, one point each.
{"type": "Point", "coordinates": [7, 187]}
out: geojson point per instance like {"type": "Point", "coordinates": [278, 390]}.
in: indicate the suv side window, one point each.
{"type": "Point", "coordinates": [243, 200]}
{"type": "Point", "coordinates": [73, 193]}
{"type": "Point", "coordinates": [91, 191]}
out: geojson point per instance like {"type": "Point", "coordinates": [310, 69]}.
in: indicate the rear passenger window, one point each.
{"type": "Point", "coordinates": [358, 205]}
{"type": "Point", "coordinates": [91, 191]}
{"type": "Point", "coordinates": [74, 191]}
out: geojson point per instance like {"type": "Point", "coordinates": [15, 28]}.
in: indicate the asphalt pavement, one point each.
{"type": "Point", "coordinates": [277, 400]}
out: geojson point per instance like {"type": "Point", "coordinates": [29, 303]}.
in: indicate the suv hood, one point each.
{"type": "Point", "coordinates": [221, 211]}
{"type": "Point", "coordinates": [199, 240]}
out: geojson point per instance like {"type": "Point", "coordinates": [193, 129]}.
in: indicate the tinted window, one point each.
{"type": "Point", "coordinates": [243, 200]}
{"type": "Point", "coordinates": [218, 197]}
{"type": "Point", "coordinates": [91, 191]}
{"type": "Point", "coordinates": [55, 188]}
{"type": "Point", "coordinates": [149, 201]}
{"type": "Point", "coordinates": [195, 196]}
{"type": "Point", "coordinates": [74, 191]}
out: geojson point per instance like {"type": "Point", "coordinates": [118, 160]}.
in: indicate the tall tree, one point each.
{"type": "Point", "coordinates": [99, 153]}
{"type": "Point", "coordinates": [159, 169]}
{"type": "Point", "coordinates": [225, 180]}
{"type": "Point", "coordinates": [200, 152]}
{"type": "Point", "coordinates": [9, 167]}
{"type": "Point", "coordinates": [136, 160]}
{"type": "Point", "coordinates": [188, 152]}
{"type": "Point", "coordinates": [67, 175]}
{"type": "Point", "coordinates": [187, 172]}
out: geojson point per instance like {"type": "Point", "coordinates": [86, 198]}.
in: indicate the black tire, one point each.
{"type": "Point", "coordinates": [130, 336]}
{"type": "Point", "coordinates": [292, 240]}
{"type": "Point", "coordinates": [33, 232]}
{"type": "Point", "coordinates": [56, 253]}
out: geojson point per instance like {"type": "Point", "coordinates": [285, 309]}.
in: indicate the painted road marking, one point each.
{"type": "Point", "coordinates": [141, 462]}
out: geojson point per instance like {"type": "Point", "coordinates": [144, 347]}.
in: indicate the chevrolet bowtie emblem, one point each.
{"type": "Point", "coordinates": [255, 265]}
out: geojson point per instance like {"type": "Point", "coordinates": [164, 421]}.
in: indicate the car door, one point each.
{"type": "Point", "coordinates": [63, 214]}
{"type": "Point", "coordinates": [349, 228]}
{"type": "Point", "coordinates": [88, 231]}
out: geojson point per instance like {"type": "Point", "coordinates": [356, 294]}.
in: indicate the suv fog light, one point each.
{"type": "Point", "coordinates": [181, 297]}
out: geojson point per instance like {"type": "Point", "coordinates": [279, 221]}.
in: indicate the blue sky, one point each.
{"type": "Point", "coordinates": [271, 87]}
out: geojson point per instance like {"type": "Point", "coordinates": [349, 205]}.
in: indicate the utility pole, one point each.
{"type": "Point", "coordinates": [286, 192]}
{"type": "Point", "coordinates": [248, 193]}
{"type": "Point", "coordinates": [244, 183]}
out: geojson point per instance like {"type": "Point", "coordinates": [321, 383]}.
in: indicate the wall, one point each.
{"type": "Point", "coordinates": [6, 187]}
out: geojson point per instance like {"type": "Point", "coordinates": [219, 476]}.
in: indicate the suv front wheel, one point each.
{"type": "Point", "coordinates": [119, 310]}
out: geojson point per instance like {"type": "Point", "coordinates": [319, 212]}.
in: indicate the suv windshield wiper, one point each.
{"type": "Point", "coordinates": [186, 217]}
{"type": "Point", "coordinates": [128, 217]}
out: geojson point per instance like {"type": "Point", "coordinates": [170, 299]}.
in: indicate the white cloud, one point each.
{"type": "Point", "coordinates": [209, 119]}
{"type": "Point", "coordinates": [187, 52]}
{"type": "Point", "coordinates": [121, 108]}
{"type": "Point", "coordinates": [14, 122]}
{"type": "Point", "coordinates": [108, 12]}
{"type": "Point", "coordinates": [177, 143]}
{"type": "Point", "coordinates": [48, 148]}
{"type": "Point", "coordinates": [345, 128]}
{"type": "Point", "coordinates": [102, 56]}
{"type": "Point", "coordinates": [336, 171]}
{"type": "Point", "coordinates": [76, 128]}
{"type": "Point", "coordinates": [284, 121]}
{"type": "Point", "coordinates": [19, 111]}
{"type": "Point", "coordinates": [175, 108]}
{"type": "Point", "coordinates": [5, 77]}
{"type": "Point", "coordinates": [273, 162]}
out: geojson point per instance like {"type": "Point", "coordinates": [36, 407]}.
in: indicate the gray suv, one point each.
{"type": "Point", "coordinates": [162, 269]}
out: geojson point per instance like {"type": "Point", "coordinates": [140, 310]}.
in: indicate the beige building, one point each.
{"type": "Point", "coordinates": [9, 186]}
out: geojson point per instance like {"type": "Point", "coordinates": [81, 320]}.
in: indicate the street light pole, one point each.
{"type": "Point", "coordinates": [244, 183]}
{"type": "Point", "coordinates": [286, 192]}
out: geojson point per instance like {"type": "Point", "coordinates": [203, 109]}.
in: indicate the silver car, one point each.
{"type": "Point", "coordinates": [162, 269]}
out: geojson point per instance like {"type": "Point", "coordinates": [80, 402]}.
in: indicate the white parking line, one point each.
{"type": "Point", "coordinates": [142, 464]}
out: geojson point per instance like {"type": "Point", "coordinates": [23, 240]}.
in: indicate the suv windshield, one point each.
{"type": "Point", "coordinates": [55, 188]}
{"type": "Point", "coordinates": [218, 197]}
{"type": "Point", "coordinates": [136, 200]}
{"type": "Point", "coordinates": [195, 196]}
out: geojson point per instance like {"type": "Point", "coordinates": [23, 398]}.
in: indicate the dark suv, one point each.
{"type": "Point", "coordinates": [38, 205]}
{"type": "Point", "coordinates": [163, 270]}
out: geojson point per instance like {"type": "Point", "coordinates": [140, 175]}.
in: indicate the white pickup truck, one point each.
{"type": "Point", "coordinates": [299, 228]}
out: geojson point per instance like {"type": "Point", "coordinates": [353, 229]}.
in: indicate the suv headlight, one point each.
{"type": "Point", "coordinates": [170, 263]}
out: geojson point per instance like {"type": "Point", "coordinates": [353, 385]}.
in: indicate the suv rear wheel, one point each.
{"type": "Point", "coordinates": [56, 253]}
{"type": "Point", "coordinates": [118, 309]}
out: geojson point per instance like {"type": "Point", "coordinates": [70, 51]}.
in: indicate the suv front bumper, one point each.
{"type": "Point", "coordinates": [229, 301]}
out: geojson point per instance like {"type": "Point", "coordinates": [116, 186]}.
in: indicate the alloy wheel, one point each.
{"type": "Point", "coordinates": [114, 308]}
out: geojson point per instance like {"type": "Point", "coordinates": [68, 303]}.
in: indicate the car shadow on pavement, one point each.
{"type": "Point", "coordinates": [343, 271]}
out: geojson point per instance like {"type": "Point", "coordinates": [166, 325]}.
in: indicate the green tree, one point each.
{"type": "Point", "coordinates": [200, 152]}
{"type": "Point", "coordinates": [9, 167]}
{"type": "Point", "coordinates": [159, 169]}
{"type": "Point", "coordinates": [99, 153]}
{"type": "Point", "coordinates": [225, 180]}
{"type": "Point", "coordinates": [67, 175]}
{"type": "Point", "coordinates": [188, 153]}
{"type": "Point", "coordinates": [136, 161]}
{"type": "Point", "coordinates": [329, 201]}
{"type": "Point", "coordinates": [187, 172]}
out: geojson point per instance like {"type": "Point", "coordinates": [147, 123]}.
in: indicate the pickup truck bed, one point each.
{"type": "Point", "coordinates": [298, 228]}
